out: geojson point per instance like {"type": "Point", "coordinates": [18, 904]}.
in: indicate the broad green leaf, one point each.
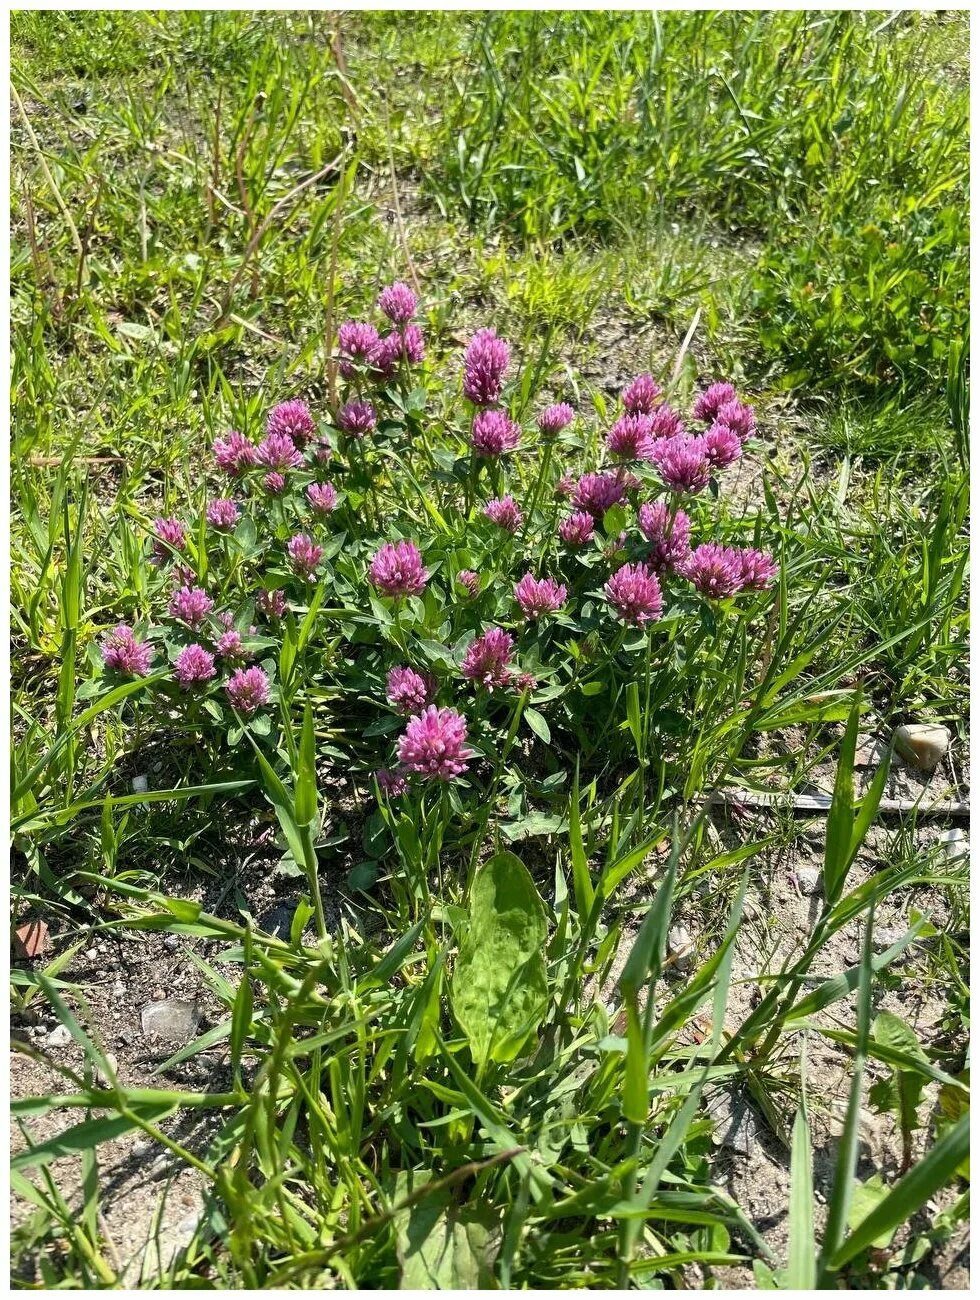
{"type": "Point", "coordinates": [499, 988]}
{"type": "Point", "coordinates": [441, 1247]}
{"type": "Point", "coordinates": [537, 724]}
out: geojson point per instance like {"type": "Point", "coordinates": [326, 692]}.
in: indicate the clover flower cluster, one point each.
{"type": "Point", "coordinates": [654, 464]}
{"type": "Point", "coordinates": [366, 354]}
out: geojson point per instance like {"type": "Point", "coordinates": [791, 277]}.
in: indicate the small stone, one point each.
{"type": "Point", "coordinates": [59, 1037]}
{"type": "Point", "coordinates": [886, 935]}
{"type": "Point", "coordinates": [923, 744]}
{"type": "Point", "coordinates": [808, 879]}
{"type": "Point", "coordinates": [171, 942]}
{"type": "Point", "coordinates": [157, 995]}
{"type": "Point", "coordinates": [736, 1128]}
{"type": "Point", "coordinates": [680, 948]}
{"type": "Point", "coordinates": [118, 989]}
{"type": "Point", "coordinates": [173, 1021]}
{"type": "Point", "coordinates": [955, 844]}
{"type": "Point", "coordinates": [31, 939]}
{"type": "Point", "coordinates": [140, 784]}
{"type": "Point", "coordinates": [92, 954]}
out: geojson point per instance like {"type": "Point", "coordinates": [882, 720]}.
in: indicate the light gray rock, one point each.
{"type": "Point", "coordinates": [59, 1037]}
{"type": "Point", "coordinates": [808, 879]}
{"type": "Point", "coordinates": [172, 1021]}
{"type": "Point", "coordinates": [923, 744]}
{"type": "Point", "coordinates": [884, 936]}
{"type": "Point", "coordinates": [736, 1126]}
{"type": "Point", "coordinates": [955, 844]}
{"type": "Point", "coordinates": [680, 947]}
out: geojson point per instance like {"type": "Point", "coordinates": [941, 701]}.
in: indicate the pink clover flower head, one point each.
{"type": "Point", "coordinates": [234, 454]}
{"type": "Point", "coordinates": [538, 596]}
{"type": "Point", "coordinates": [469, 581]}
{"type": "Point", "coordinates": [391, 782]}
{"type": "Point", "coordinates": [578, 529]}
{"type": "Point", "coordinates": [357, 419]}
{"type": "Point", "coordinates": [555, 418]}
{"type": "Point", "coordinates": [759, 569]}
{"type": "Point", "coordinates": [324, 452]}
{"type": "Point", "coordinates": [304, 555]}
{"type": "Point", "coordinates": [168, 533]}
{"type": "Point", "coordinates": [274, 483]}
{"type": "Point", "coordinates": [271, 603]}
{"type": "Point", "coordinates": [524, 682]}
{"type": "Point", "coordinates": [434, 744]}
{"type": "Point", "coordinates": [634, 593]}
{"type": "Point", "coordinates": [223, 513]}
{"type": "Point", "coordinates": [738, 416]}
{"type": "Point", "coordinates": [484, 364]}
{"type": "Point", "coordinates": [716, 571]}
{"type": "Point", "coordinates": [231, 647]}
{"type": "Point", "coordinates": [248, 690]}
{"type": "Point", "coordinates": [291, 420]}
{"type": "Point", "coordinates": [398, 303]}
{"type": "Point", "coordinates": [665, 422]}
{"type": "Point", "coordinates": [682, 463]}
{"type": "Point", "coordinates": [722, 445]}
{"type": "Point", "coordinates": [487, 658]}
{"type": "Point", "coordinates": [505, 513]}
{"type": "Point", "coordinates": [278, 452]}
{"type": "Point", "coordinates": [640, 396]}
{"type": "Point", "coordinates": [322, 497]}
{"type": "Point", "coordinates": [357, 339]}
{"type": "Point", "coordinates": [397, 570]}
{"type": "Point", "coordinates": [408, 691]}
{"type": "Point", "coordinates": [191, 605]}
{"type": "Point", "coordinates": [671, 538]}
{"type": "Point", "coordinates": [708, 404]}
{"type": "Point", "coordinates": [124, 654]}
{"type": "Point", "coordinates": [494, 433]}
{"type": "Point", "coordinates": [565, 485]}
{"type": "Point", "coordinates": [630, 439]}
{"type": "Point", "coordinates": [598, 493]}
{"type": "Point", "coordinates": [194, 666]}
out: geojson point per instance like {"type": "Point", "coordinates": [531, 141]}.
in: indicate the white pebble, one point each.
{"type": "Point", "coordinates": [955, 843]}
{"type": "Point", "coordinates": [924, 744]}
{"type": "Point", "coordinates": [680, 947]}
{"type": "Point", "coordinates": [808, 879]}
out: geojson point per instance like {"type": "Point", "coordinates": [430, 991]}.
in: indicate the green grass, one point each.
{"type": "Point", "coordinates": [198, 199]}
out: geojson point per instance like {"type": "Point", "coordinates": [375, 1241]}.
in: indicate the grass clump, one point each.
{"type": "Point", "coordinates": [840, 138]}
